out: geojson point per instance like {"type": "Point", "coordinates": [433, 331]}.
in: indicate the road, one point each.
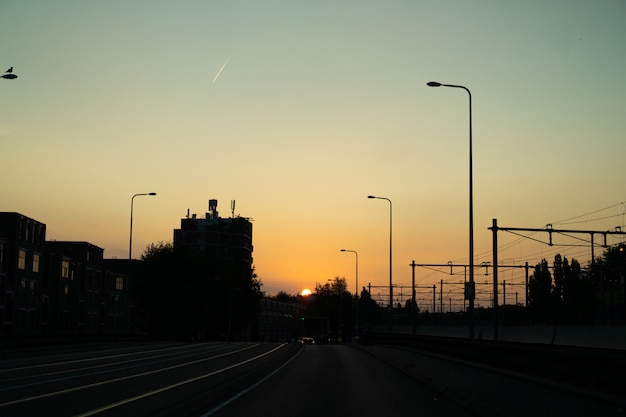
{"type": "Point", "coordinates": [273, 379]}
{"type": "Point", "coordinates": [339, 380]}
{"type": "Point", "coordinates": [211, 379]}
{"type": "Point", "coordinates": [140, 380]}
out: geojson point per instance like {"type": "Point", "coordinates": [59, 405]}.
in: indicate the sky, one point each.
{"type": "Point", "coordinates": [299, 110]}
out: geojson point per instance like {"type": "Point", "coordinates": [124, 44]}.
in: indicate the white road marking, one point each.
{"type": "Point", "coordinates": [178, 384]}
{"type": "Point", "coordinates": [109, 381]}
{"type": "Point", "coordinates": [242, 393]}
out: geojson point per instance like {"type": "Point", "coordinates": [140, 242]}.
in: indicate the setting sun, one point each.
{"type": "Point", "coordinates": [306, 292]}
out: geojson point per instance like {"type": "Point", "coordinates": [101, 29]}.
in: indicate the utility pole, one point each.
{"type": "Point", "coordinates": [434, 299]}
{"type": "Point", "coordinates": [441, 299]}
{"type": "Point", "coordinates": [413, 302]}
{"type": "Point", "coordinates": [495, 284]}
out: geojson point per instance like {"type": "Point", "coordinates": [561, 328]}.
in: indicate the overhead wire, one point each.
{"type": "Point", "coordinates": [548, 250]}
{"type": "Point", "coordinates": [621, 203]}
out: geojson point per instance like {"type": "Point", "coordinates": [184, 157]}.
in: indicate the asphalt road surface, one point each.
{"type": "Point", "coordinates": [225, 379]}
{"type": "Point", "coordinates": [151, 380]}
{"type": "Point", "coordinates": [275, 379]}
{"type": "Point", "coordinates": [338, 380]}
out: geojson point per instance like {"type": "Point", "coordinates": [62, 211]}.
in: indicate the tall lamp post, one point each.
{"type": "Point", "coordinates": [390, 262]}
{"type": "Point", "coordinates": [356, 317]}
{"type": "Point", "coordinates": [130, 263]}
{"type": "Point", "coordinates": [130, 246]}
{"type": "Point", "coordinates": [469, 291]}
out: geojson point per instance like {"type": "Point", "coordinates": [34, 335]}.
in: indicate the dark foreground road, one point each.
{"type": "Point", "coordinates": [150, 380]}
{"type": "Point", "coordinates": [274, 379]}
{"type": "Point", "coordinates": [225, 379]}
{"type": "Point", "coordinates": [388, 381]}
{"type": "Point", "coordinates": [338, 380]}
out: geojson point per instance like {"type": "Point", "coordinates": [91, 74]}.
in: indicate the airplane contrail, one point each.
{"type": "Point", "coordinates": [221, 69]}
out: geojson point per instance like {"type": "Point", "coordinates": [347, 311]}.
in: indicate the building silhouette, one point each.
{"type": "Point", "coordinates": [56, 288]}
{"type": "Point", "coordinates": [230, 304]}
{"type": "Point", "coordinates": [226, 243]}
{"type": "Point", "coordinates": [63, 289]}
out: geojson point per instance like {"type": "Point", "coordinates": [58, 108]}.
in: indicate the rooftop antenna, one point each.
{"type": "Point", "coordinates": [232, 208]}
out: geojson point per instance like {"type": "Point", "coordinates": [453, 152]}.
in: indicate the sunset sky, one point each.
{"type": "Point", "coordinates": [299, 110]}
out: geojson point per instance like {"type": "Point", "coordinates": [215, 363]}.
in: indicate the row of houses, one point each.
{"type": "Point", "coordinates": [67, 288]}
{"type": "Point", "coordinates": [58, 287]}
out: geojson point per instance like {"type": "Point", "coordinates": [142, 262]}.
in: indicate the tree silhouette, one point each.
{"type": "Point", "coordinates": [171, 290]}
{"type": "Point", "coordinates": [608, 275]}
{"type": "Point", "coordinates": [571, 296]}
{"type": "Point", "coordinates": [183, 297]}
{"type": "Point", "coordinates": [369, 310]}
{"type": "Point", "coordinates": [540, 293]}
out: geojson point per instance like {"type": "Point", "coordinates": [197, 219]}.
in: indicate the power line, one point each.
{"type": "Point", "coordinates": [621, 203]}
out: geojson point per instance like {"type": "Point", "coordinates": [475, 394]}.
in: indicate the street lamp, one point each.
{"type": "Point", "coordinates": [469, 292]}
{"type": "Point", "coordinates": [130, 246]}
{"type": "Point", "coordinates": [356, 319]}
{"type": "Point", "coordinates": [390, 258]}
{"type": "Point", "coordinates": [8, 75]}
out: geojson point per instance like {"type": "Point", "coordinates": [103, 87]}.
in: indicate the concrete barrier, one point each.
{"type": "Point", "coordinates": [608, 337]}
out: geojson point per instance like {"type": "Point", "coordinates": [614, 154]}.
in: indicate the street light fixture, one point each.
{"type": "Point", "coordinates": [8, 75]}
{"type": "Point", "coordinates": [130, 246]}
{"type": "Point", "coordinates": [390, 261]}
{"type": "Point", "coordinates": [356, 319]}
{"type": "Point", "coordinates": [469, 292]}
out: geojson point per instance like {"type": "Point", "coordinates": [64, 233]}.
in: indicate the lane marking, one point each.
{"type": "Point", "coordinates": [42, 365]}
{"type": "Point", "coordinates": [176, 385]}
{"type": "Point", "coordinates": [140, 362]}
{"type": "Point", "coordinates": [242, 393]}
{"type": "Point", "coordinates": [109, 381]}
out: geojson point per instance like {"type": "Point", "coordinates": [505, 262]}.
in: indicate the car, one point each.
{"type": "Point", "coordinates": [306, 341]}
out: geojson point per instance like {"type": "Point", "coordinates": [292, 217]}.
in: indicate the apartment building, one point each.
{"type": "Point", "coordinates": [50, 288]}
{"type": "Point", "coordinates": [23, 291]}
{"type": "Point", "coordinates": [226, 242]}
